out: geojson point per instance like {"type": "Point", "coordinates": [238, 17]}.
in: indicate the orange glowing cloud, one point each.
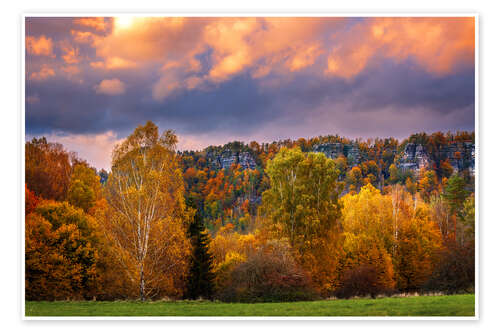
{"type": "Point", "coordinates": [96, 23]}
{"type": "Point", "coordinates": [289, 44]}
{"type": "Point", "coordinates": [113, 63]}
{"type": "Point", "coordinates": [305, 57]}
{"type": "Point", "coordinates": [83, 37]}
{"type": "Point", "coordinates": [41, 46]}
{"type": "Point", "coordinates": [340, 47]}
{"type": "Point", "coordinates": [437, 44]}
{"type": "Point", "coordinates": [237, 43]}
{"type": "Point", "coordinates": [144, 40]}
{"type": "Point", "coordinates": [43, 74]}
{"type": "Point", "coordinates": [110, 87]}
{"type": "Point", "coordinates": [71, 53]}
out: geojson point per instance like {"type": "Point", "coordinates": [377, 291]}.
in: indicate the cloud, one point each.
{"type": "Point", "coordinates": [110, 87]}
{"type": "Point", "coordinates": [43, 74]}
{"type": "Point", "coordinates": [41, 46]}
{"type": "Point", "coordinates": [341, 47]}
{"type": "Point", "coordinates": [96, 23]}
{"type": "Point", "coordinates": [84, 37]}
{"type": "Point", "coordinates": [218, 79]}
{"type": "Point", "coordinates": [71, 53]}
{"type": "Point", "coordinates": [439, 45]}
{"type": "Point", "coordinates": [113, 63]}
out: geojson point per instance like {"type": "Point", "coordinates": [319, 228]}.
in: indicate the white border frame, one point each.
{"type": "Point", "coordinates": [265, 13]}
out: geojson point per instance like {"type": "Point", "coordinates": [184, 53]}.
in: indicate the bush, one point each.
{"type": "Point", "coordinates": [361, 281]}
{"type": "Point", "coordinates": [268, 275]}
{"type": "Point", "coordinates": [455, 272]}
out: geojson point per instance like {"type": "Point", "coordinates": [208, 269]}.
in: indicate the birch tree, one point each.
{"type": "Point", "coordinates": [145, 192]}
{"type": "Point", "coordinates": [302, 205]}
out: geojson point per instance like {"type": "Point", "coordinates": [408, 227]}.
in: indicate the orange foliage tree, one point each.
{"type": "Point", "coordinates": [60, 253]}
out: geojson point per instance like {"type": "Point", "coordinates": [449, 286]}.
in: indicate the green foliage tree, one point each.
{"type": "Point", "coordinates": [455, 193]}
{"type": "Point", "coordinates": [303, 201]}
{"type": "Point", "coordinates": [302, 206]}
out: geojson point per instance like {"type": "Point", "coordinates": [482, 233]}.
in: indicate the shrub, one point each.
{"type": "Point", "coordinates": [455, 272]}
{"type": "Point", "coordinates": [269, 274]}
{"type": "Point", "coordinates": [361, 281]}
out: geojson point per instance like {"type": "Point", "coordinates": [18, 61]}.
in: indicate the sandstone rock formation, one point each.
{"type": "Point", "coordinates": [227, 158]}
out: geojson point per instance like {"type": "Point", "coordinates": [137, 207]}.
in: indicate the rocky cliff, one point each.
{"type": "Point", "coordinates": [412, 156]}
{"type": "Point", "coordinates": [460, 155]}
{"type": "Point", "coordinates": [334, 150]}
{"type": "Point", "coordinates": [228, 157]}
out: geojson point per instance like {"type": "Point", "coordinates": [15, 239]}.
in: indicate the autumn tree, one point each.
{"type": "Point", "coordinates": [303, 199]}
{"type": "Point", "coordinates": [60, 253]}
{"type": "Point", "coordinates": [417, 247]}
{"type": "Point", "coordinates": [354, 179]}
{"type": "Point", "coordinates": [428, 184]}
{"type": "Point", "coordinates": [30, 201]}
{"type": "Point", "coordinates": [146, 193]}
{"type": "Point", "coordinates": [84, 188]}
{"type": "Point", "coordinates": [302, 206]}
{"type": "Point", "coordinates": [368, 231]}
{"type": "Point", "coordinates": [48, 169]}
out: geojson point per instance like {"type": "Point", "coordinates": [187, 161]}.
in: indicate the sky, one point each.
{"type": "Point", "coordinates": [91, 80]}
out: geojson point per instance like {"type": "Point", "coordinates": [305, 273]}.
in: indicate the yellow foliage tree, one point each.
{"type": "Point", "coordinates": [145, 191]}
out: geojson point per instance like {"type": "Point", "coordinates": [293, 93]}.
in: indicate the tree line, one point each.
{"type": "Point", "coordinates": [161, 224]}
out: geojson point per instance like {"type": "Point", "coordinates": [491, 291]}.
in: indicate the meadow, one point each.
{"type": "Point", "coordinates": [453, 305]}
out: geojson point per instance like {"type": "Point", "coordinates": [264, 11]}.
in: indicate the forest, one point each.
{"type": "Point", "coordinates": [257, 222]}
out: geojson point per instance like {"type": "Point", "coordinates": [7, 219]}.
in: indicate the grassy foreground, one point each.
{"type": "Point", "coordinates": [456, 305]}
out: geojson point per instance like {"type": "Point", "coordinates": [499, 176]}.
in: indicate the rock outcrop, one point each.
{"type": "Point", "coordinates": [414, 158]}
{"type": "Point", "coordinates": [460, 155]}
{"type": "Point", "coordinates": [227, 158]}
{"type": "Point", "coordinates": [331, 150]}
{"type": "Point", "coordinates": [334, 150]}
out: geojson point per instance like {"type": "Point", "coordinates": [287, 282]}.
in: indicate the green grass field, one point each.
{"type": "Point", "coordinates": [456, 305]}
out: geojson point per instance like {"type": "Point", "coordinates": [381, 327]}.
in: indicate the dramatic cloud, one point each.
{"type": "Point", "coordinates": [439, 45]}
{"type": "Point", "coordinates": [110, 87]}
{"type": "Point", "coordinates": [218, 79]}
{"type": "Point", "coordinates": [96, 23]}
{"type": "Point", "coordinates": [39, 46]}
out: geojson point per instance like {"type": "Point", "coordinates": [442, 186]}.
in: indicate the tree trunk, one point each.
{"type": "Point", "coordinates": [143, 296]}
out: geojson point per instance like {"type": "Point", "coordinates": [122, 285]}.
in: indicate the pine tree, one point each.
{"type": "Point", "coordinates": [201, 277]}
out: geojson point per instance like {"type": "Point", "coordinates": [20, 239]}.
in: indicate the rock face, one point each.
{"type": "Point", "coordinates": [331, 150]}
{"type": "Point", "coordinates": [334, 150]}
{"type": "Point", "coordinates": [352, 153]}
{"type": "Point", "coordinates": [460, 155]}
{"type": "Point", "coordinates": [414, 158]}
{"type": "Point", "coordinates": [227, 158]}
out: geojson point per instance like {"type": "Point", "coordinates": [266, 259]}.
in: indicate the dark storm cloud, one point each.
{"type": "Point", "coordinates": [241, 105]}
